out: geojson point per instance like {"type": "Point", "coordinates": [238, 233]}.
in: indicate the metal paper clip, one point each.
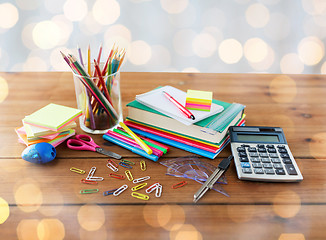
{"type": "Point", "coordinates": [180, 184]}
{"type": "Point", "coordinates": [142, 165]}
{"type": "Point", "coordinates": [120, 190]}
{"type": "Point", "coordinates": [158, 192]}
{"type": "Point", "coordinates": [129, 175]}
{"type": "Point", "coordinates": [112, 167]}
{"type": "Point", "coordinates": [91, 172]}
{"type": "Point", "coordinates": [118, 176]}
{"type": "Point", "coordinates": [126, 165]}
{"type": "Point", "coordinates": [152, 187]}
{"type": "Point", "coordinates": [110, 192]}
{"type": "Point", "coordinates": [140, 195]}
{"type": "Point", "coordinates": [77, 170]}
{"type": "Point", "coordinates": [88, 181]}
{"type": "Point", "coordinates": [140, 186]}
{"type": "Point", "coordinates": [142, 179]}
{"type": "Point", "coordinates": [86, 191]}
{"type": "Point", "coordinates": [127, 161]}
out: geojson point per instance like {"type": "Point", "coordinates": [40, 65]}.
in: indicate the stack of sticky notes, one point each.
{"type": "Point", "coordinates": [199, 100]}
{"type": "Point", "coordinates": [52, 124]}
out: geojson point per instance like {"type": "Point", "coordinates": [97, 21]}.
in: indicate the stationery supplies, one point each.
{"type": "Point", "coordinates": [86, 143]}
{"type": "Point", "coordinates": [88, 181]}
{"type": "Point", "coordinates": [52, 116]}
{"type": "Point", "coordinates": [120, 190]}
{"type": "Point", "coordinates": [156, 100]}
{"type": "Point", "coordinates": [199, 100]}
{"type": "Point", "coordinates": [142, 179]}
{"type": "Point", "coordinates": [142, 114]}
{"type": "Point", "coordinates": [129, 175]}
{"type": "Point", "coordinates": [212, 179]}
{"type": "Point", "coordinates": [39, 153]}
{"type": "Point", "coordinates": [138, 187]}
{"type": "Point", "coordinates": [143, 165]}
{"type": "Point", "coordinates": [77, 170]}
{"type": "Point", "coordinates": [136, 138]}
{"type": "Point", "coordinates": [178, 185]}
{"type": "Point", "coordinates": [91, 177]}
{"type": "Point", "coordinates": [110, 192]}
{"type": "Point", "coordinates": [87, 191]}
{"type": "Point", "coordinates": [262, 154]}
{"type": "Point", "coordinates": [140, 195]}
{"type": "Point", "coordinates": [118, 176]}
{"type": "Point", "coordinates": [184, 110]}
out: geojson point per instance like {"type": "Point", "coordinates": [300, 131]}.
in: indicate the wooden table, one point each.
{"type": "Point", "coordinates": [44, 200]}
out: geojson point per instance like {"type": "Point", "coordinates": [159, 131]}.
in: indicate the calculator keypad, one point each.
{"type": "Point", "coordinates": [265, 159]}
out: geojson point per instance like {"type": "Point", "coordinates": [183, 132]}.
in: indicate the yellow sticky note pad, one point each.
{"type": "Point", "coordinates": [202, 95]}
{"type": "Point", "coordinates": [199, 100]}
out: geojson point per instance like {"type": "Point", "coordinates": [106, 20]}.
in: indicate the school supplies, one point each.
{"type": "Point", "coordinates": [86, 143]}
{"type": "Point", "coordinates": [39, 153]}
{"type": "Point", "coordinates": [184, 110]}
{"type": "Point", "coordinates": [199, 100]}
{"type": "Point", "coordinates": [136, 138]}
{"type": "Point", "coordinates": [52, 116]}
{"type": "Point", "coordinates": [142, 114]}
{"type": "Point", "coordinates": [222, 167]}
{"type": "Point", "coordinates": [156, 100]}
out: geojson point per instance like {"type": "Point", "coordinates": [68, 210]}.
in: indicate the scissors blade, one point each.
{"type": "Point", "coordinates": [108, 153]}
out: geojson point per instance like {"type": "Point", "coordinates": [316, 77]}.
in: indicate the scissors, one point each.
{"type": "Point", "coordinates": [86, 143]}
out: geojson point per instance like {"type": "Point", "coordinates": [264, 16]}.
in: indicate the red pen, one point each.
{"type": "Point", "coordinates": [184, 110]}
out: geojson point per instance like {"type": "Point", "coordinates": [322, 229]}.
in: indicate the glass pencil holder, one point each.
{"type": "Point", "coordinates": [99, 98]}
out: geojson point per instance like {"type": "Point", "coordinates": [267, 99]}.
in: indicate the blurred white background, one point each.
{"type": "Point", "coordinates": [235, 36]}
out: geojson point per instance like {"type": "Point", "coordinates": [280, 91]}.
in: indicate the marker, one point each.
{"type": "Point", "coordinates": [184, 110]}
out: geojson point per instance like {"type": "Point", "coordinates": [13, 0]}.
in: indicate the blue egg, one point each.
{"type": "Point", "coordinates": [39, 153]}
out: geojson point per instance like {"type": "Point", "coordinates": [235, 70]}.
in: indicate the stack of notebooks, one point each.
{"type": "Point", "coordinates": [150, 116]}
{"type": "Point", "coordinates": [52, 124]}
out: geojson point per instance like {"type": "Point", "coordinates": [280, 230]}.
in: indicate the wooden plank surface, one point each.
{"type": "Point", "coordinates": [45, 199]}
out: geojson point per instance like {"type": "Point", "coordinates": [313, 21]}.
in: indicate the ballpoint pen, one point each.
{"type": "Point", "coordinates": [222, 167]}
{"type": "Point", "coordinates": [184, 110]}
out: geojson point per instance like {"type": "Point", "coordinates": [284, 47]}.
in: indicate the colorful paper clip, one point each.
{"type": "Point", "coordinates": [77, 170]}
{"type": "Point", "coordinates": [86, 191]}
{"type": "Point", "coordinates": [127, 161]}
{"type": "Point", "coordinates": [113, 163]}
{"type": "Point", "coordinates": [88, 181]}
{"type": "Point", "coordinates": [126, 165]}
{"type": "Point", "coordinates": [143, 165]}
{"type": "Point", "coordinates": [140, 186]}
{"type": "Point", "coordinates": [118, 176]}
{"type": "Point", "coordinates": [91, 177]}
{"type": "Point", "coordinates": [152, 187]}
{"type": "Point", "coordinates": [158, 192]}
{"type": "Point", "coordinates": [129, 175]}
{"type": "Point", "coordinates": [180, 184]}
{"type": "Point", "coordinates": [112, 166]}
{"type": "Point", "coordinates": [142, 179]}
{"type": "Point", "coordinates": [110, 192]}
{"type": "Point", "coordinates": [140, 195]}
{"type": "Point", "coordinates": [120, 190]}
{"type": "Point", "coordinates": [91, 172]}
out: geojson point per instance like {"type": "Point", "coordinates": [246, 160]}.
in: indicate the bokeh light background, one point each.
{"type": "Point", "coordinates": [233, 36]}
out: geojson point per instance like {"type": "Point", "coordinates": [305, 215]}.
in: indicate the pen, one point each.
{"type": "Point", "coordinates": [222, 167]}
{"type": "Point", "coordinates": [136, 138]}
{"type": "Point", "coordinates": [184, 110]}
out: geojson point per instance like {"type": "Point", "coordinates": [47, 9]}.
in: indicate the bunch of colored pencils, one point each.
{"type": "Point", "coordinates": [98, 86]}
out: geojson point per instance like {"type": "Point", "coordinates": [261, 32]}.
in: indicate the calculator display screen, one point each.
{"type": "Point", "coordinates": [258, 138]}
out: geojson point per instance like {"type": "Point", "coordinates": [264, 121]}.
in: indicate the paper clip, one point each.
{"type": "Point", "coordinates": [158, 192]}
{"type": "Point", "coordinates": [113, 163]}
{"type": "Point", "coordinates": [180, 184]}
{"type": "Point", "coordinates": [120, 190]}
{"type": "Point", "coordinates": [127, 161]}
{"type": "Point", "coordinates": [140, 195]}
{"type": "Point", "coordinates": [140, 186]}
{"type": "Point", "coordinates": [88, 181]}
{"type": "Point", "coordinates": [152, 187]}
{"type": "Point", "coordinates": [112, 167]}
{"type": "Point", "coordinates": [110, 192]}
{"type": "Point", "coordinates": [142, 165]}
{"type": "Point", "coordinates": [91, 174]}
{"type": "Point", "coordinates": [142, 179]}
{"type": "Point", "coordinates": [118, 176]}
{"type": "Point", "coordinates": [126, 165]}
{"type": "Point", "coordinates": [86, 191]}
{"type": "Point", "coordinates": [129, 175]}
{"type": "Point", "coordinates": [77, 170]}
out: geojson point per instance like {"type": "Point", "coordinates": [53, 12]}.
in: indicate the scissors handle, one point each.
{"type": "Point", "coordinates": [79, 145]}
{"type": "Point", "coordinates": [86, 139]}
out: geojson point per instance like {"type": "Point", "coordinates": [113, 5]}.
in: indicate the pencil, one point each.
{"type": "Point", "coordinates": [136, 138]}
{"type": "Point", "coordinates": [89, 60]}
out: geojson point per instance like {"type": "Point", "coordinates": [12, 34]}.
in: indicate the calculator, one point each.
{"type": "Point", "coordinates": [262, 154]}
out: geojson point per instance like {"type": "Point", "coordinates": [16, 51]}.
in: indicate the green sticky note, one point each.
{"type": "Point", "coordinates": [53, 116]}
